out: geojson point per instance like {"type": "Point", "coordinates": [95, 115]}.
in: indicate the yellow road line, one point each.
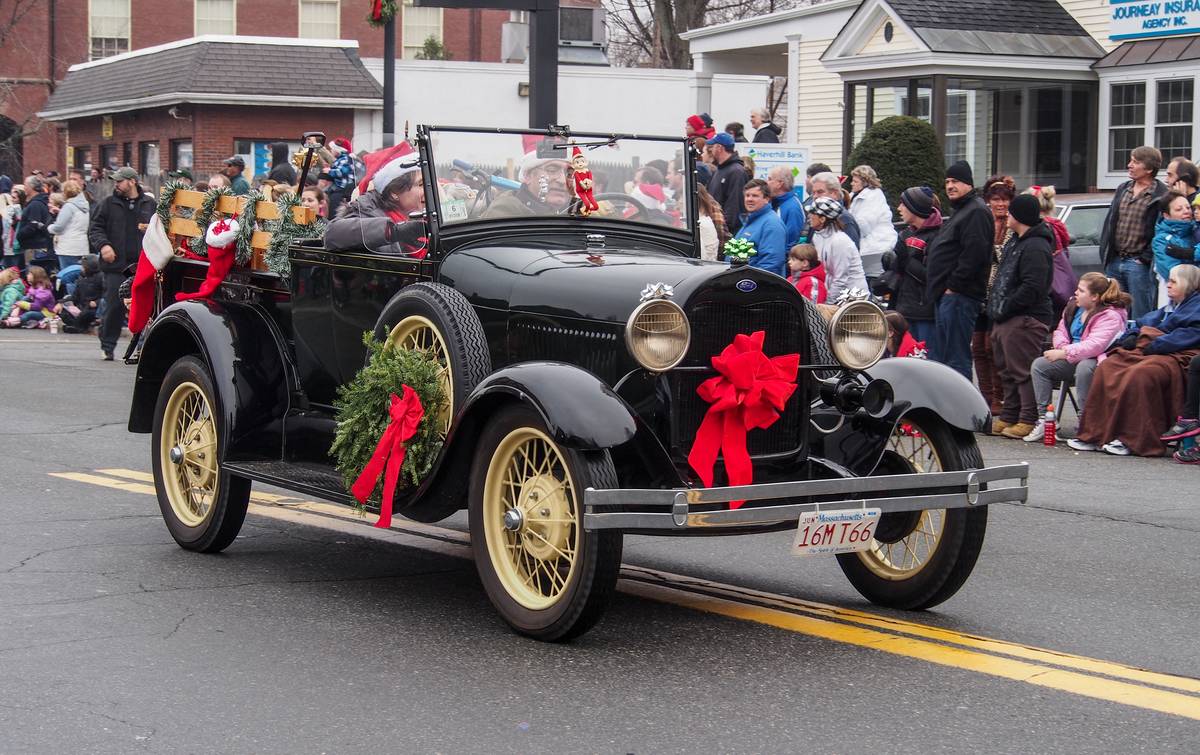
{"type": "Point", "coordinates": [909, 639]}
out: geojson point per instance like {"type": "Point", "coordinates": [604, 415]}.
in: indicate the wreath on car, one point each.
{"type": "Point", "coordinates": [388, 433]}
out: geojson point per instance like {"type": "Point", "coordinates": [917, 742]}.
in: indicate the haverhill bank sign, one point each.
{"type": "Point", "coordinates": [1138, 20]}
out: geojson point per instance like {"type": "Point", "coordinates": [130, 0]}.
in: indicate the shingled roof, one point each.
{"type": "Point", "coordinates": [219, 70]}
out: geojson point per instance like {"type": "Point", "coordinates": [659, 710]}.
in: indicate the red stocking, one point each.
{"type": "Point", "coordinates": [143, 294]}
{"type": "Point", "coordinates": [220, 262]}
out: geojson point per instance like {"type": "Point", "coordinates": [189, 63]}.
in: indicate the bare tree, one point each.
{"type": "Point", "coordinates": [11, 13]}
{"type": "Point", "coordinates": [13, 132]}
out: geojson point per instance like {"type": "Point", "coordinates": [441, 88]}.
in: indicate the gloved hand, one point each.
{"type": "Point", "coordinates": [1185, 253]}
{"type": "Point", "coordinates": [410, 235]}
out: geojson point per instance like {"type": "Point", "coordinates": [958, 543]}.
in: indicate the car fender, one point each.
{"type": "Point", "coordinates": [243, 351]}
{"type": "Point", "coordinates": [924, 384]}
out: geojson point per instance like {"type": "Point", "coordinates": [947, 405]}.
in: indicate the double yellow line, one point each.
{"type": "Point", "coordinates": [1065, 672]}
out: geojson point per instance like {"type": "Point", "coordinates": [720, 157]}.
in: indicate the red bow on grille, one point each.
{"type": "Point", "coordinates": [750, 392]}
{"type": "Point", "coordinates": [406, 414]}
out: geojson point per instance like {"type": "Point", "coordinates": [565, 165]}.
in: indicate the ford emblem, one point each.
{"type": "Point", "coordinates": [745, 285]}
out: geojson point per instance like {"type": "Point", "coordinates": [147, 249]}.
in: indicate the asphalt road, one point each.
{"type": "Point", "coordinates": [317, 633]}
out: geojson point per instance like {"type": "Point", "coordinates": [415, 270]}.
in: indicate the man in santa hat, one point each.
{"type": "Point", "coordinates": [543, 191]}
{"type": "Point", "coordinates": [341, 174]}
{"type": "Point", "coordinates": [379, 219]}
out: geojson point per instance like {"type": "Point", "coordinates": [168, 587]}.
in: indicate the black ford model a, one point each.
{"type": "Point", "coordinates": [573, 346]}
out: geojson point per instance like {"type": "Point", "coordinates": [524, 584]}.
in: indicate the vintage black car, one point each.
{"type": "Point", "coordinates": [573, 348]}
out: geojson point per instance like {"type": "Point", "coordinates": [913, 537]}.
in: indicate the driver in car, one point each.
{"type": "Point", "coordinates": [379, 219]}
{"type": "Point", "coordinates": [543, 189]}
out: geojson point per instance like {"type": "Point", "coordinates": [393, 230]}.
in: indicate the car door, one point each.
{"type": "Point", "coordinates": [1084, 223]}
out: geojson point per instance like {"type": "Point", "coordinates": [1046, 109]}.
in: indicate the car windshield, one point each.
{"type": "Point", "coordinates": [484, 176]}
{"type": "Point", "coordinates": [1085, 223]}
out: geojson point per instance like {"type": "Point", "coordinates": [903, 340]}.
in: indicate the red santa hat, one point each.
{"type": "Point", "coordinates": [339, 145]}
{"type": "Point", "coordinates": [394, 159]}
{"type": "Point", "coordinates": [533, 160]}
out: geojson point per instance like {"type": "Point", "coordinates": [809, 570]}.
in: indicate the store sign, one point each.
{"type": "Point", "coordinates": [1137, 19]}
{"type": "Point", "coordinates": [106, 130]}
{"type": "Point", "coordinates": [767, 156]}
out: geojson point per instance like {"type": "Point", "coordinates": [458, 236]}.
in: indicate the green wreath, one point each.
{"type": "Point", "coordinates": [285, 232]}
{"type": "Point", "coordinates": [387, 12]}
{"type": "Point", "coordinates": [362, 413]}
{"type": "Point", "coordinates": [165, 197]}
{"type": "Point", "coordinates": [204, 216]}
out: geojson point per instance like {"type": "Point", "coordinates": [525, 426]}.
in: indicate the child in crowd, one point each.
{"type": "Point", "coordinates": [1174, 240]}
{"type": "Point", "coordinates": [78, 311]}
{"type": "Point", "coordinates": [11, 291]}
{"type": "Point", "coordinates": [37, 307]}
{"type": "Point", "coordinates": [900, 341]}
{"type": "Point", "coordinates": [806, 273]}
{"type": "Point", "coordinates": [1188, 424]}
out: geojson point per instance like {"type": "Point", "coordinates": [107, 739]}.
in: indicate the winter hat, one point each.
{"type": "Point", "coordinates": [961, 171]}
{"type": "Point", "coordinates": [390, 171]}
{"type": "Point", "coordinates": [918, 200]}
{"type": "Point", "coordinates": [826, 208]}
{"type": "Point", "coordinates": [533, 159]}
{"type": "Point", "coordinates": [339, 145]}
{"type": "Point", "coordinates": [6, 184]}
{"type": "Point", "coordinates": [1026, 210]}
{"type": "Point", "coordinates": [696, 122]}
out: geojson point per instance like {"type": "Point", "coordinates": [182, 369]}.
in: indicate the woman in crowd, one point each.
{"type": "Point", "coordinates": [922, 220]}
{"type": "Point", "coordinates": [1091, 321]}
{"type": "Point", "coordinates": [869, 206]}
{"type": "Point", "coordinates": [1188, 424]}
{"type": "Point", "coordinates": [1174, 240]}
{"type": "Point", "coordinates": [713, 233]}
{"type": "Point", "coordinates": [379, 219]}
{"type": "Point", "coordinates": [70, 226]}
{"type": "Point", "coordinates": [1140, 387]}
{"type": "Point", "coordinates": [843, 265]}
{"type": "Point", "coordinates": [314, 199]}
{"type": "Point", "coordinates": [8, 226]}
{"type": "Point", "coordinates": [1019, 308]}
{"type": "Point", "coordinates": [998, 192]}
{"type": "Point", "coordinates": [1063, 287]}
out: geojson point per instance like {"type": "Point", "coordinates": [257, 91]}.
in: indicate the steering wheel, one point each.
{"type": "Point", "coordinates": [639, 210]}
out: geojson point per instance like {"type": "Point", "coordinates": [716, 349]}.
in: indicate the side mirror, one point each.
{"type": "Point", "coordinates": [313, 139]}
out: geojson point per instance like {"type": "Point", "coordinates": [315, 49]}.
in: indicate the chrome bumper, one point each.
{"type": "Point", "coordinates": [672, 509]}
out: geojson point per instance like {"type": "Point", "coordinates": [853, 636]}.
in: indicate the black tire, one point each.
{"type": "Point", "coordinates": [456, 321]}
{"type": "Point", "coordinates": [953, 557]}
{"type": "Point", "coordinates": [222, 519]}
{"type": "Point", "coordinates": [589, 582]}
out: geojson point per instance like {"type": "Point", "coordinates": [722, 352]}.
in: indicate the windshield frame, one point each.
{"type": "Point", "coordinates": [575, 222]}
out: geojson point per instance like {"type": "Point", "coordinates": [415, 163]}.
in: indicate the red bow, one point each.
{"type": "Point", "coordinates": [377, 10]}
{"type": "Point", "coordinates": [406, 414]}
{"type": "Point", "coordinates": [749, 393]}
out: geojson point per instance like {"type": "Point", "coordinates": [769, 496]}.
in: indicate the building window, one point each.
{"type": "Point", "coordinates": [1173, 121]}
{"type": "Point", "coordinates": [181, 154]}
{"type": "Point", "coordinates": [319, 19]}
{"type": "Point", "coordinates": [958, 125]}
{"type": "Point", "coordinates": [82, 158]}
{"type": "Point", "coordinates": [1127, 122]}
{"type": "Point", "coordinates": [108, 157]}
{"type": "Point", "coordinates": [148, 162]}
{"type": "Point", "coordinates": [575, 24]}
{"type": "Point", "coordinates": [108, 21]}
{"type": "Point", "coordinates": [216, 17]}
{"type": "Point", "coordinates": [419, 25]}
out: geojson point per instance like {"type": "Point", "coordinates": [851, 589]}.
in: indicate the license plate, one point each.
{"type": "Point", "coordinates": [835, 531]}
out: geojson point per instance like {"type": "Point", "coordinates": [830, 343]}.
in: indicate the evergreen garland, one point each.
{"type": "Point", "coordinates": [204, 216]}
{"type": "Point", "coordinates": [287, 231]}
{"type": "Point", "coordinates": [165, 197]}
{"type": "Point", "coordinates": [387, 11]}
{"type": "Point", "coordinates": [362, 413]}
{"type": "Point", "coordinates": [247, 224]}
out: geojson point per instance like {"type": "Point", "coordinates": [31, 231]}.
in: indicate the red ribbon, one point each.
{"type": "Point", "coordinates": [406, 414]}
{"type": "Point", "coordinates": [750, 392]}
{"type": "Point", "coordinates": [377, 10]}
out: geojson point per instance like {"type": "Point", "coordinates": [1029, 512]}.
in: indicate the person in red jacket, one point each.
{"type": "Point", "coordinates": [806, 273]}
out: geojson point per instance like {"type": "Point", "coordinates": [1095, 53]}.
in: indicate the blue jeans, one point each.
{"type": "Point", "coordinates": [955, 324]}
{"type": "Point", "coordinates": [1137, 280]}
{"type": "Point", "coordinates": [923, 330]}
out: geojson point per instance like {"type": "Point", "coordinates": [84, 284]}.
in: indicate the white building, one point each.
{"type": "Point", "coordinates": [1048, 92]}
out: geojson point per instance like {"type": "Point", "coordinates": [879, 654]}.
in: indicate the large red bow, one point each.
{"type": "Point", "coordinates": [406, 414]}
{"type": "Point", "coordinates": [750, 392]}
{"type": "Point", "coordinates": [377, 10]}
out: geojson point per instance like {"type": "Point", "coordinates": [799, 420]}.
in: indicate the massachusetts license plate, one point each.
{"type": "Point", "coordinates": [835, 531]}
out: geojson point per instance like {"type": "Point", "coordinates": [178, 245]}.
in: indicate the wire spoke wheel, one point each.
{"type": "Point", "coordinates": [531, 518]}
{"type": "Point", "coordinates": [417, 333]}
{"type": "Point", "coordinates": [189, 458]}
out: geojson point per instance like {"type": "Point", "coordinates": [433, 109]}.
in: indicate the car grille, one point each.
{"type": "Point", "coordinates": [714, 325]}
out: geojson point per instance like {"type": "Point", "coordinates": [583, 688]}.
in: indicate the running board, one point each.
{"type": "Point", "coordinates": [309, 479]}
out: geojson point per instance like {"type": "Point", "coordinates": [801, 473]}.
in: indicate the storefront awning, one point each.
{"type": "Point", "coordinates": [1151, 52]}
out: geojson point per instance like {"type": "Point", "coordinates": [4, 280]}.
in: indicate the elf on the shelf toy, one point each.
{"type": "Point", "coordinates": [221, 238]}
{"type": "Point", "coordinates": [584, 183]}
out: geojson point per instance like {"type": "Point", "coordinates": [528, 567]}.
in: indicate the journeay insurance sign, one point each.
{"type": "Point", "coordinates": [1138, 19]}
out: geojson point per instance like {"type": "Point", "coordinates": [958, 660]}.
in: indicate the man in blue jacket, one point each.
{"type": "Point", "coordinates": [785, 202]}
{"type": "Point", "coordinates": [763, 227]}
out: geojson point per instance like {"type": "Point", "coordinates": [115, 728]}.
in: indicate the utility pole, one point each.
{"type": "Point", "coordinates": [543, 53]}
{"type": "Point", "coordinates": [389, 82]}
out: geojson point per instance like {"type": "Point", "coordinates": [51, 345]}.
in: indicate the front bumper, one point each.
{"type": "Point", "coordinates": [693, 508]}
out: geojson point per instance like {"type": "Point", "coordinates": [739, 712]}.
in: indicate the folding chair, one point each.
{"type": "Point", "coordinates": [1066, 393]}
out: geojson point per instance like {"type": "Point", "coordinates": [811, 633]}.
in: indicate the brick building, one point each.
{"type": "Point", "coordinates": [49, 36]}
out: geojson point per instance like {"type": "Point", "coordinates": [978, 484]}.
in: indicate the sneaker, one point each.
{"type": "Point", "coordinates": [1017, 431]}
{"type": "Point", "coordinates": [1082, 445]}
{"type": "Point", "coordinates": [1037, 433]}
{"type": "Point", "coordinates": [1116, 448]}
{"type": "Point", "coordinates": [1183, 428]}
{"type": "Point", "coordinates": [1188, 455]}
{"type": "Point", "coordinates": [108, 356]}
{"type": "Point", "coordinates": [999, 426]}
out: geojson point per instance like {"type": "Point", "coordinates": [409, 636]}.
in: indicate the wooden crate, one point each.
{"type": "Point", "coordinates": [186, 228]}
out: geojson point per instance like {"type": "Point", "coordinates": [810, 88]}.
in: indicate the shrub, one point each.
{"type": "Point", "coordinates": [905, 152]}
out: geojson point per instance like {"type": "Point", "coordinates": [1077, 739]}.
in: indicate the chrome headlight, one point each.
{"type": "Point", "coordinates": [658, 334]}
{"type": "Point", "coordinates": [858, 335]}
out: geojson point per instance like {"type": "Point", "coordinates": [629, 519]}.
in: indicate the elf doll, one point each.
{"type": "Point", "coordinates": [584, 183]}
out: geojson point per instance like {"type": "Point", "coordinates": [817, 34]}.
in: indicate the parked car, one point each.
{"type": "Point", "coordinates": [1084, 216]}
{"type": "Point", "coordinates": [572, 347]}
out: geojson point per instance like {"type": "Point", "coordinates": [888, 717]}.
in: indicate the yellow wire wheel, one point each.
{"type": "Point", "coordinates": [188, 455]}
{"type": "Point", "coordinates": [531, 518]}
{"type": "Point", "coordinates": [418, 333]}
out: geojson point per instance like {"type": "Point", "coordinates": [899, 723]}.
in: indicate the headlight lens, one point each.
{"type": "Point", "coordinates": [658, 334]}
{"type": "Point", "coordinates": [858, 335]}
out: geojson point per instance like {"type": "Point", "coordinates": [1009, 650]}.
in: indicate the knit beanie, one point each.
{"type": "Point", "coordinates": [961, 171]}
{"type": "Point", "coordinates": [918, 200]}
{"type": "Point", "coordinates": [1026, 210]}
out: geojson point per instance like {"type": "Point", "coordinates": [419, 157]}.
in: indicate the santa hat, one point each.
{"type": "Point", "coordinates": [393, 169]}
{"type": "Point", "coordinates": [533, 160]}
{"type": "Point", "coordinates": [339, 145]}
{"type": "Point", "coordinates": [381, 158]}
{"type": "Point", "coordinates": [655, 197]}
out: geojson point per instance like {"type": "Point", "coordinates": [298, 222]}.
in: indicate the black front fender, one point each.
{"type": "Point", "coordinates": [923, 384]}
{"type": "Point", "coordinates": [244, 354]}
